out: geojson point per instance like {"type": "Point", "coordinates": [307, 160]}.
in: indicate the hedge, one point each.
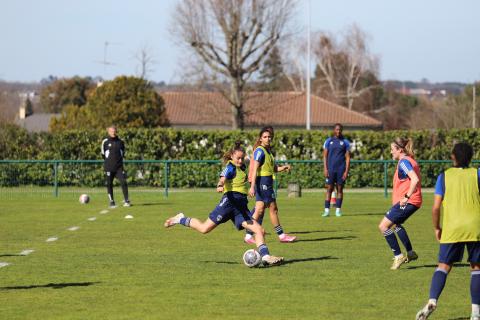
{"type": "Point", "coordinates": [151, 144]}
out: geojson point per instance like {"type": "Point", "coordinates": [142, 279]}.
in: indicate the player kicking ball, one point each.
{"type": "Point", "coordinates": [232, 206]}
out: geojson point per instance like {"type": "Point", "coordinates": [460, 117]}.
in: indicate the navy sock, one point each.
{"type": "Point", "coordinates": [263, 250]}
{"type": "Point", "coordinates": [438, 283]}
{"type": "Point", "coordinates": [278, 229]}
{"type": "Point", "coordinates": [402, 234]}
{"type": "Point", "coordinates": [475, 287]}
{"type": "Point", "coordinates": [327, 204]}
{"type": "Point", "coordinates": [185, 221]}
{"type": "Point", "coordinates": [392, 241]}
{"type": "Point", "coordinates": [338, 202]}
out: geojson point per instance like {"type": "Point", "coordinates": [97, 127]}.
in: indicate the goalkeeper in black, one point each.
{"type": "Point", "coordinates": [113, 151]}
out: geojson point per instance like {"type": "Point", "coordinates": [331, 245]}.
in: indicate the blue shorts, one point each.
{"type": "Point", "coordinates": [398, 215]}
{"type": "Point", "coordinates": [233, 206]}
{"type": "Point", "coordinates": [264, 190]}
{"type": "Point", "coordinates": [335, 177]}
{"type": "Point", "coordinates": [453, 252]}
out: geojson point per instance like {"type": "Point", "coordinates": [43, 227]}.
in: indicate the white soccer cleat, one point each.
{"type": "Point", "coordinates": [426, 311]}
{"type": "Point", "coordinates": [398, 261]}
{"type": "Point", "coordinates": [127, 204]}
{"type": "Point", "coordinates": [174, 220]}
{"type": "Point", "coordinates": [269, 260]}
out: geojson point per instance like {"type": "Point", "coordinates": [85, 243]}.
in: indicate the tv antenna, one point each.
{"type": "Point", "coordinates": [105, 61]}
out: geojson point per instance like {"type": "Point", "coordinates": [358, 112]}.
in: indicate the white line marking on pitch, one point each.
{"type": "Point", "coordinates": [26, 252]}
{"type": "Point", "coordinates": [4, 264]}
{"type": "Point", "coordinates": [104, 212]}
{"type": "Point", "coordinates": [74, 228]}
{"type": "Point", "coordinates": [92, 219]}
{"type": "Point", "coordinates": [51, 239]}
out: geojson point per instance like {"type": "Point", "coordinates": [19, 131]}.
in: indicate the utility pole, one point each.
{"type": "Point", "coordinates": [308, 65]}
{"type": "Point", "coordinates": [474, 107]}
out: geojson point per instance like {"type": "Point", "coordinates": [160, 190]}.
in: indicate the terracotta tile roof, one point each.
{"type": "Point", "coordinates": [284, 109]}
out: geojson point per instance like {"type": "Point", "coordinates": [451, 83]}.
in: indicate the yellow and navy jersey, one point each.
{"type": "Point", "coordinates": [235, 178]}
{"type": "Point", "coordinates": [266, 161]}
{"type": "Point", "coordinates": [459, 188]}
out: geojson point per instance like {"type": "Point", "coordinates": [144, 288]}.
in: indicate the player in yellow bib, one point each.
{"type": "Point", "coordinates": [457, 193]}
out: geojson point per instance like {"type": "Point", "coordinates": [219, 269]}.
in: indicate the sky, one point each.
{"type": "Point", "coordinates": [436, 40]}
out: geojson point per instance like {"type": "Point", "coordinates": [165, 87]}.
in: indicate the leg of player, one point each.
{"type": "Point", "coordinates": [257, 215]}
{"type": "Point", "coordinates": [202, 227]}
{"type": "Point", "coordinates": [475, 290]}
{"type": "Point", "coordinates": [403, 236]}
{"type": "Point", "coordinates": [262, 248]}
{"type": "Point", "coordinates": [273, 211]}
{"type": "Point", "coordinates": [122, 177]}
{"type": "Point", "coordinates": [328, 196]}
{"type": "Point", "coordinates": [339, 200]}
{"type": "Point", "coordinates": [385, 228]}
{"type": "Point", "coordinates": [438, 283]}
{"type": "Point", "coordinates": [109, 179]}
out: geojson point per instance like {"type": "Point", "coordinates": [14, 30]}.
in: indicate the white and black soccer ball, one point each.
{"type": "Point", "coordinates": [84, 199]}
{"type": "Point", "coordinates": [251, 258]}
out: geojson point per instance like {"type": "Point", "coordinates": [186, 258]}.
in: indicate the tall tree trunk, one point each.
{"type": "Point", "coordinates": [238, 114]}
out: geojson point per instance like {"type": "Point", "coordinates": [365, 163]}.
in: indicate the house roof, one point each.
{"type": "Point", "coordinates": [281, 109]}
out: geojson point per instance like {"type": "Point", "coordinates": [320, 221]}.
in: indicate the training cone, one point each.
{"type": "Point", "coordinates": [333, 200]}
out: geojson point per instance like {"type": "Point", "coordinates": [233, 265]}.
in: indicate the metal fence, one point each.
{"type": "Point", "coordinates": [165, 174]}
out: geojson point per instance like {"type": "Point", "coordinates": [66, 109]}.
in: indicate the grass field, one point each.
{"type": "Point", "coordinates": [114, 268]}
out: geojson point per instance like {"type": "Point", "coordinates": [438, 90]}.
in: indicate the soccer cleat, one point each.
{"type": "Point", "coordinates": [127, 204]}
{"type": "Point", "coordinates": [475, 317]}
{"type": "Point", "coordinates": [269, 260]}
{"type": "Point", "coordinates": [426, 311]}
{"type": "Point", "coordinates": [398, 261]}
{"type": "Point", "coordinates": [338, 213]}
{"type": "Point", "coordinates": [411, 256]}
{"type": "Point", "coordinates": [325, 214]}
{"type": "Point", "coordinates": [249, 240]}
{"type": "Point", "coordinates": [112, 205]}
{"type": "Point", "coordinates": [285, 238]}
{"type": "Point", "coordinates": [174, 220]}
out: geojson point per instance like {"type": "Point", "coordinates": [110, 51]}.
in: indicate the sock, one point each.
{"type": "Point", "coordinates": [263, 250]}
{"type": "Point", "coordinates": [402, 234]}
{"type": "Point", "coordinates": [475, 288]}
{"type": "Point", "coordinates": [327, 205]}
{"type": "Point", "coordinates": [278, 229]}
{"type": "Point", "coordinates": [338, 202]}
{"type": "Point", "coordinates": [185, 221]}
{"type": "Point", "coordinates": [438, 283]}
{"type": "Point", "coordinates": [392, 242]}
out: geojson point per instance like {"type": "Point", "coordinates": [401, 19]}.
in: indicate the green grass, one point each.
{"type": "Point", "coordinates": [114, 268]}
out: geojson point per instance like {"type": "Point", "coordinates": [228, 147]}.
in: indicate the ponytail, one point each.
{"type": "Point", "coordinates": [406, 145]}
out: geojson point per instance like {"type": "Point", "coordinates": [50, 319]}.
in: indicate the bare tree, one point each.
{"type": "Point", "coordinates": [341, 65]}
{"type": "Point", "coordinates": [232, 37]}
{"type": "Point", "coordinates": [145, 61]}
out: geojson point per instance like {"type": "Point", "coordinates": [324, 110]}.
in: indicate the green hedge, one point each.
{"type": "Point", "coordinates": [143, 144]}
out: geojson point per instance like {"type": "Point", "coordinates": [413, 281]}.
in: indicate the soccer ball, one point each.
{"type": "Point", "coordinates": [251, 258]}
{"type": "Point", "coordinates": [84, 199]}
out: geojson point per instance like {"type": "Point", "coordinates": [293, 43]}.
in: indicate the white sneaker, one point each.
{"type": "Point", "coordinates": [475, 317]}
{"type": "Point", "coordinates": [127, 204]}
{"type": "Point", "coordinates": [398, 261]}
{"type": "Point", "coordinates": [426, 311]}
{"type": "Point", "coordinates": [173, 220]}
{"type": "Point", "coordinates": [269, 260]}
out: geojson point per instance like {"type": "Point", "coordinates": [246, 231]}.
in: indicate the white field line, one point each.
{"type": "Point", "coordinates": [92, 219]}
{"type": "Point", "coordinates": [74, 228]}
{"type": "Point", "coordinates": [51, 239]}
{"type": "Point", "coordinates": [26, 252]}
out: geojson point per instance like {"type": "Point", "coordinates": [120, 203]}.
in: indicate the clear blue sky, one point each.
{"type": "Point", "coordinates": [415, 39]}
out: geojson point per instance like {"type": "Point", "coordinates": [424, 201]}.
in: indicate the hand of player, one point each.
{"type": "Point", "coordinates": [438, 233]}
{"type": "Point", "coordinates": [220, 189]}
{"type": "Point", "coordinates": [325, 172]}
{"type": "Point", "coordinates": [345, 175]}
{"type": "Point", "coordinates": [403, 202]}
{"type": "Point", "coordinates": [287, 168]}
{"type": "Point", "coordinates": [251, 192]}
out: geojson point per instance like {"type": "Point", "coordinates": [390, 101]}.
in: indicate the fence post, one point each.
{"type": "Point", "coordinates": [55, 183]}
{"type": "Point", "coordinates": [385, 181]}
{"type": "Point", "coordinates": [166, 173]}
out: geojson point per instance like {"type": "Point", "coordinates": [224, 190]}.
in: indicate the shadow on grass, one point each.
{"type": "Point", "coordinates": [51, 285]}
{"type": "Point", "coordinates": [308, 259]}
{"type": "Point", "coordinates": [367, 214]}
{"type": "Point", "coordinates": [461, 318]}
{"type": "Point", "coordinates": [327, 239]}
{"type": "Point", "coordinates": [11, 255]}
{"type": "Point", "coordinates": [222, 262]}
{"type": "Point", "coordinates": [459, 265]}
{"type": "Point", "coordinates": [316, 231]}
{"type": "Point", "coordinates": [148, 204]}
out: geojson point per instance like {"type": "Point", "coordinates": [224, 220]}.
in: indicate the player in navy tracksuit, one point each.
{"type": "Point", "coordinates": [113, 151]}
{"type": "Point", "coordinates": [336, 163]}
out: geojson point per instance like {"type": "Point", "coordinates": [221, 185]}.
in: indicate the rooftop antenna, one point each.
{"type": "Point", "coordinates": [105, 61]}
